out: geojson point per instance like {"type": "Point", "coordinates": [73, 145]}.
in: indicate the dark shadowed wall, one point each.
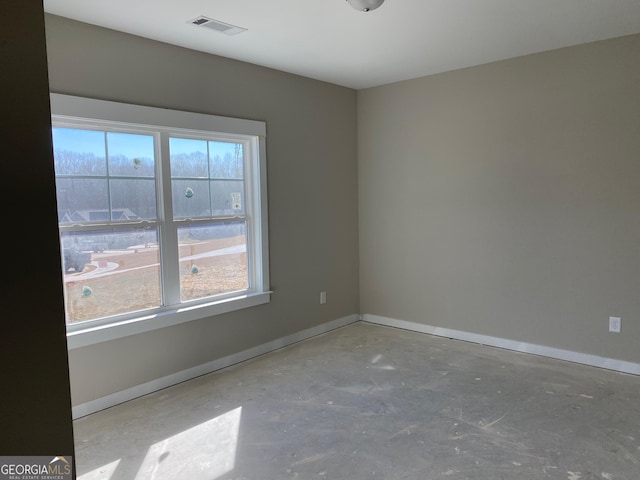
{"type": "Point", "coordinates": [35, 405]}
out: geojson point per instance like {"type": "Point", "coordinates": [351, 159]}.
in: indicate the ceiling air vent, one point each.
{"type": "Point", "coordinates": [216, 25]}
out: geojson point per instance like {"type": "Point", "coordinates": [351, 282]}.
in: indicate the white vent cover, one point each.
{"type": "Point", "coordinates": [216, 25]}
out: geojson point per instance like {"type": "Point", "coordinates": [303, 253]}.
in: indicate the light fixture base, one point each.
{"type": "Point", "coordinates": [365, 5]}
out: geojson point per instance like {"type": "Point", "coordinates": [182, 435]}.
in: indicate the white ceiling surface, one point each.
{"type": "Point", "coordinates": [328, 40]}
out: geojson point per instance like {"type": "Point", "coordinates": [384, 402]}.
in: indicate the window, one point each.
{"type": "Point", "coordinates": [161, 213]}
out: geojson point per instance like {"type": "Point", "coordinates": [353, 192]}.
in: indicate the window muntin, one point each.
{"type": "Point", "coordinates": [181, 212]}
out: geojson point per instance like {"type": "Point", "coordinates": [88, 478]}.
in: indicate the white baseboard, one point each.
{"type": "Point", "coordinates": [557, 353]}
{"type": "Point", "coordinates": [122, 396]}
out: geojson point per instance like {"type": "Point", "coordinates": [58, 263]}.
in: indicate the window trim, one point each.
{"type": "Point", "coordinates": [67, 108]}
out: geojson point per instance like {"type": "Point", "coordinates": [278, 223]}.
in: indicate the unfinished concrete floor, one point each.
{"type": "Point", "coordinates": [370, 402]}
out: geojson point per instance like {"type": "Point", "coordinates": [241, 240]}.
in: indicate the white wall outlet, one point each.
{"type": "Point", "coordinates": [615, 324]}
{"type": "Point", "coordinates": [323, 298]}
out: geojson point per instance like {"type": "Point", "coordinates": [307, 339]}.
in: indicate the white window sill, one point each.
{"type": "Point", "coordinates": [96, 334]}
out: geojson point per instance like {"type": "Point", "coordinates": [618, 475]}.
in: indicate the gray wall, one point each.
{"type": "Point", "coordinates": [312, 176]}
{"type": "Point", "coordinates": [35, 405]}
{"type": "Point", "coordinates": [501, 200]}
{"type": "Point", "coordinates": [504, 199]}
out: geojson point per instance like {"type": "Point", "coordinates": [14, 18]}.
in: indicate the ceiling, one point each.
{"type": "Point", "coordinates": [330, 41]}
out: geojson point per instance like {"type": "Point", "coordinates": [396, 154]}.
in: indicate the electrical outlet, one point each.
{"type": "Point", "coordinates": [615, 324]}
{"type": "Point", "coordinates": [323, 297]}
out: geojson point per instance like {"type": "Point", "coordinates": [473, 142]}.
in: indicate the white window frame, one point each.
{"type": "Point", "coordinates": [67, 110]}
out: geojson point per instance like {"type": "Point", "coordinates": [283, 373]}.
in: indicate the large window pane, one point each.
{"type": "Point", "coordinates": [114, 215]}
{"type": "Point", "coordinates": [110, 272]}
{"type": "Point", "coordinates": [213, 259]}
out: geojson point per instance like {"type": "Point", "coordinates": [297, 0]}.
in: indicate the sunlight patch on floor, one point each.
{"type": "Point", "coordinates": [206, 451]}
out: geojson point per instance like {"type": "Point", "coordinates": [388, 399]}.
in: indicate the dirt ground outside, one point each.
{"type": "Point", "coordinates": [119, 281]}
